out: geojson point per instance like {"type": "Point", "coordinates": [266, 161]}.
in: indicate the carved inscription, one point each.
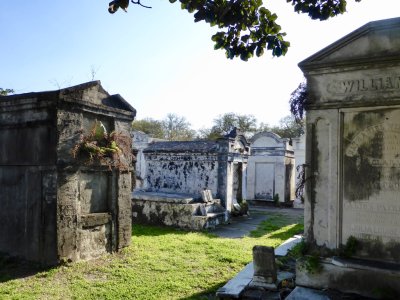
{"type": "Point", "coordinates": [373, 221]}
{"type": "Point", "coordinates": [364, 136]}
{"type": "Point", "coordinates": [379, 83]}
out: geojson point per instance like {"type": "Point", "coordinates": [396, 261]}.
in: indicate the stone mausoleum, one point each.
{"type": "Point", "coordinates": [353, 152]}
{"type": "Point", "coordinates": [55, 206]}
{"type": "Point", "coordinates": [178, 172]}
{"type": "Point", "coordinates": [271, 168]}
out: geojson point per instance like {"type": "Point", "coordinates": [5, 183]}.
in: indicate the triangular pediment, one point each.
{"type": "Point", "coordinates": [375, 41]}
{"type": "Point", "coordinates": [93, 92]}
{"type": "Point", "coordinates": [266, 138]}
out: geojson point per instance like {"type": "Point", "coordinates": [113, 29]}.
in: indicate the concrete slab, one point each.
{"type": "Point", "coordinates": [261, 295]}
{"type": "Point", "coordinates": [163, 197]}
{"type": "Point", "coordinates": [236, 285]}
{"type": "Point", "coordinates": [240, 227]}
{"type": "Point", "coordinates": [283, 249]}
{"type": "Point", "coordinates": [352, 276]}
{"type": "Point", "coordinates": [302, 293]}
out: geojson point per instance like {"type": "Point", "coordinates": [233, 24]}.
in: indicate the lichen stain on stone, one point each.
{"type": "Point", "coordinates": [361, 177]}
{"type": "Point", "coordinates": [311, 185]}
{"type": "Point", "coordinates": [157, 183]}
{"type": "Point", "coordinates": [376, 248]}
{"type": "Point", "coordinates": [365, 119]}
{"type": "Point", "coordinates": [394, 250]}
{"type": "Point", "coordinates": [394, 175]}
{"type": "Point", "coordinates": [212, 166]}
{"type": "Point", "coordinates": [181, 173]}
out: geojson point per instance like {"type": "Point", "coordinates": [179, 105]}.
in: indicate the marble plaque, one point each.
{"type": "Point", "coordinates": [371, 176]}
{"type": "Point", "coordinates": [265, 176]}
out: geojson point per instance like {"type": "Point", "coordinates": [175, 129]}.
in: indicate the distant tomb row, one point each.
{"type": "Point", "coordinates": [231, 168]}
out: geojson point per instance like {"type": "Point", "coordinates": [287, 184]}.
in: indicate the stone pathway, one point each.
{"type": "Point", "coordinates": [241, 226]}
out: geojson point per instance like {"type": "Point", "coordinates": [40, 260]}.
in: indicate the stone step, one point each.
{"type": "Point", "coordinates": [214, 208]}
{"type": "Point", "coordinates": [203, 209]}
{"type": "Point", "coordinates": [211, 220]}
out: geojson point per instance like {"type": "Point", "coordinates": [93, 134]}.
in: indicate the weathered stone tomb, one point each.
{"type": "Point", "coordinates": [53, 206]}
{"type": "Point", "coordinates": [177, 172]}
{"type": "Point", "coordinates": [140, 141]}
{"type": "Point", "coordinates": [353, 150]}
{"type": "Point", "coordinates": [271, 170]}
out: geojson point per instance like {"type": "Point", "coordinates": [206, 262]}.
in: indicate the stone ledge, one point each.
{"type": "Point", "coordinates": [234, 287]}
{"type": "Point", "coordinates": [301, 293]}
{"type": "Point", "coordinates": [363, 264]}
{"type": "Point", "coordinates": [95, 219]}
{"type": "Point", "coordinates": [283, 248]}
{"type": "Point", "coordinates": [351, 276]}
{"type": "Point", "coordinates": [163, 197]}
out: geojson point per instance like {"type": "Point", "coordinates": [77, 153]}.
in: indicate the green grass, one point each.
{"type": "Point", "coordinates": [161, 263]}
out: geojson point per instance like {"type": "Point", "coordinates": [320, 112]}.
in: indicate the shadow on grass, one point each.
{"type": "Point", "coordinates": [12, 268]}
{"type": "Point", "coordinates": [275, 223]}
{"type": "Point", "coordinates": [208, 294]}
{"type": "Point", "coordinates": [158, 230]}
{"type": "Point", "coordinates": [290, 232]}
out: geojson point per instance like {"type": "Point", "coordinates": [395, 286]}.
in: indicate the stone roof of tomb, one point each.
{"type": "Point", "coordinates": [183, 146]}
{"type": "Point", "coordinates": [267, 134]}
{"type": "Point", "coordinates": [90, 92]}
{"type": "Point", "coordinates": [376, 41]}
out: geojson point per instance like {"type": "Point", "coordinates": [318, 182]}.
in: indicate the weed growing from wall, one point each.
{"type": "Point", "coordinates": [111, 149]}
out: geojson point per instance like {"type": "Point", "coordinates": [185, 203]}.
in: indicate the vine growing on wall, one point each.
{"type": "Point", "coordinates": [112, 149]}
{"type": "Point", "coordinates": [301, 177]}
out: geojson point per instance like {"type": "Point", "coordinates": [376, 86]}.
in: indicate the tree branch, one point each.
{"type": "Point", "coordinates": [138, 3]}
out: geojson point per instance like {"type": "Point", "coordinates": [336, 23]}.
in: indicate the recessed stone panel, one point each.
{"type": "Point", "coordinates": [265, 174]}
{"type": "Point", "coordinates": [371, 178]}
{"type": "Point", "coordinates": [94, 192]}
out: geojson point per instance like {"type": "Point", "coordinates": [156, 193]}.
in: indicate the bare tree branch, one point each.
{"type": "Point", "coordinates": [138, 3]}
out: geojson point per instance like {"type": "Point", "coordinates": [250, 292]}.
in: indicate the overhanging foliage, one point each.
{"type": "Point", "coordinates": [247, 27]}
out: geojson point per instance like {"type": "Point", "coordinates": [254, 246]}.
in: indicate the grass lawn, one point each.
{"type": "Point", "coordinates": [161, 263]}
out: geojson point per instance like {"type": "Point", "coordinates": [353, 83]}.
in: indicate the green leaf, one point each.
{"type": "Point", "coordinates": [259, 51]}
{"type": "Point", "coordinates": [245, 38]}
{"type": "Point", "coordinates": [219, 44]}
{"type": "Point", "coordinates": [273, 17]}
{"type": "Point", "coordinates": [277, 51]}
{"type": "Point", "coordinates": [216, 37]}
{"type": "Point", "coordinates": [229, 53]}
{"type": "Point", "coordinates": [264, 11]}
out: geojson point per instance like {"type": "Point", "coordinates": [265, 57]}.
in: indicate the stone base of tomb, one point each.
{"type": "Point", "coordinates": [269, 203]}
{"type": "Point", "coordinates": [177, 210]}
{"type": "Point", "coordinates": [367, 278]}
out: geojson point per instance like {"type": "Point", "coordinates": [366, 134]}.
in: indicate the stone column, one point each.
{"type": "Point", "coordinates": [244, 181]}
{"type": "Point", "coordinates": [229, 186]}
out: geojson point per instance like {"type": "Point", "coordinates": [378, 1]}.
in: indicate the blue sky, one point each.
{"type": "Point", "coordinates": [159, 59]}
